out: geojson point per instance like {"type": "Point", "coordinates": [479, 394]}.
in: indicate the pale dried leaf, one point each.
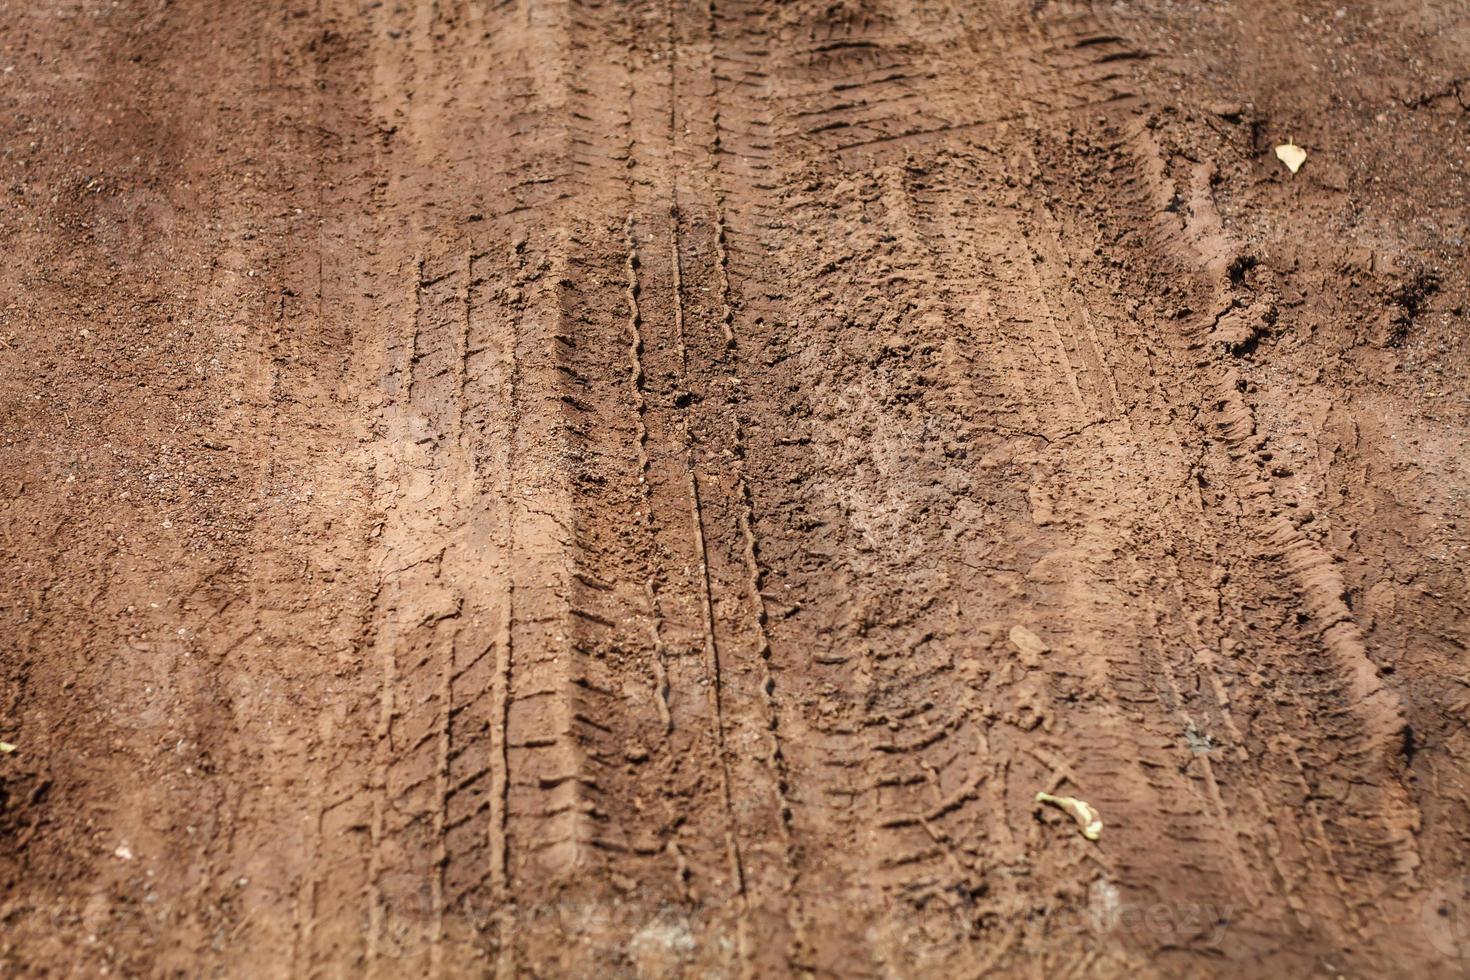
{"type": "Point", "coordinates": [1291, 155]}
{"type": "Point", "coordinates": [1089, 821]}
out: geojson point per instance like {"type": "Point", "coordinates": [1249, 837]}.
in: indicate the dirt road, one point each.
{"type": "Point", "coordinates": [655, 489]}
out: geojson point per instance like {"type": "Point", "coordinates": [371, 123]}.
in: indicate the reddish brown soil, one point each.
{"type": "Point", "coordinates": [518, 488]}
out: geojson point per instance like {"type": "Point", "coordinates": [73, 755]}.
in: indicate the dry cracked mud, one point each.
{"type": "Point", "coordinates": [656, 489]}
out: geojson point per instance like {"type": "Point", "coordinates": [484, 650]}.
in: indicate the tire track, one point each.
{"type": "Point", "coordinates": [734, 456]}
{"type": "Point", "coordinates": [454, 748]}
{"type": "Point", "coordinates": [895, 259]}
{"type": "Point", "coordinates": [1330, 851]}
{"type": "Point", "coordinates": [635, 384]}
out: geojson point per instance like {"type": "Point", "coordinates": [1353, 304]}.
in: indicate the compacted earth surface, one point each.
{"type": "Point", "coordinates": [653, 489]}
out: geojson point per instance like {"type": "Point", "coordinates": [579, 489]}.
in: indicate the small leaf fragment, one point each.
{"type": "Point", "coordinates": [1086, 815]}
{"type": "Point", "coordinates": [1291, 155]}
{"type": "Point", "coordinates": [8, 747]}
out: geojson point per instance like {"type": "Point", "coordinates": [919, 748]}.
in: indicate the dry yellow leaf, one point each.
{"type": "Point", "coordinates": [1291, 155]}
{"type": "Point", "coordinates": [1086, 815]}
